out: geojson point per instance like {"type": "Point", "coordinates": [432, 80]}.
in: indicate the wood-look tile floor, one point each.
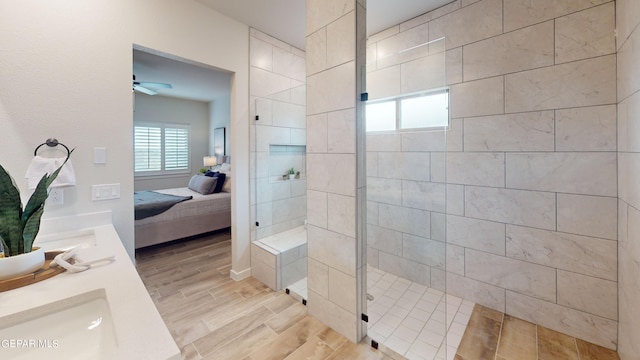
{"type": "Point", "coordinates": [492, 335]}
{"type": "Point", "coordinates": [213, 317]}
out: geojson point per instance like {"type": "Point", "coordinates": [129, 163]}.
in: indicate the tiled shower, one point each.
{"type": "Point", "coordinates": [513, 207]}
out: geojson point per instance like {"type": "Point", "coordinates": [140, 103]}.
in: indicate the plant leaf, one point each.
{"type": "Point", "coordinates": [31, 228]}
{"type": "Point", "coordinates": [10, 214]}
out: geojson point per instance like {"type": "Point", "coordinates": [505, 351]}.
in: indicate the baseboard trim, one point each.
{"type": "Point", "coordinates": [237, 276]}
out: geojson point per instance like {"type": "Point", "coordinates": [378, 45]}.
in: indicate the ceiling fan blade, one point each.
{"type": "Point", "coordinates": [143, 89]}
{"type": "Point", "coordinates": [154, 84]}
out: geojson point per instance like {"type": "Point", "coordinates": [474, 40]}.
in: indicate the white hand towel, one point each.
{"type": "Point", "coordinates": [41, 165]}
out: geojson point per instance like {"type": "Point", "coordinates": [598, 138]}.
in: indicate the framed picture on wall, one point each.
{"type": "Point", "coordinates": [219, 142]}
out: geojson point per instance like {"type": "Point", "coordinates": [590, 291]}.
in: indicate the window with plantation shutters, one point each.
{"type": "Point", "coordinates": [161, 149]}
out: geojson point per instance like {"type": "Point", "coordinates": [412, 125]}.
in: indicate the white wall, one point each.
{"type": "Point", "coordinates": [66, 73]}
{"type": "Point", "coordinates": [162, 109]}
{"type": "Point", "coordinates": [220, 116]}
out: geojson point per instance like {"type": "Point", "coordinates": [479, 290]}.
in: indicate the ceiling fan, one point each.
{"type": "Point", "coordinates": [143, 87]}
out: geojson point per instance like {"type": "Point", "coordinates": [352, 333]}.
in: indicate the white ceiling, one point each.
{"type": "Point", "coordinates": [189, 80]}
{"type": "Point", "coordinates": [282, 19]}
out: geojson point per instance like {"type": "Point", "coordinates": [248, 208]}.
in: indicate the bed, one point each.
{"type": "Point", "coordinates": [197, 215]}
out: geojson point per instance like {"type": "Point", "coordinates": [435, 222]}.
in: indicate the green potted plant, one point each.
{"type": "Point", "coordinates": [292, 174]}
{"type": "Point", "coordinates": [19, 227]}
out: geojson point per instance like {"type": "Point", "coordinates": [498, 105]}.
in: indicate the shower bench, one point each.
{"type": "Point", "coordinates": [280, 260]}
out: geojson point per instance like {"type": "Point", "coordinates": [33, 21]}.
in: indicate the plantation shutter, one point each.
{"type": "Point", "coordinates": [176, 149]}
{"type": "Point", "coordinates": [147, 148]}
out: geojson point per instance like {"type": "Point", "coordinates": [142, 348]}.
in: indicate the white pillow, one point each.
{"type": "Point", "coordinates": [225, 168]}
{"type": "Point", "coordinates": [226, 187]}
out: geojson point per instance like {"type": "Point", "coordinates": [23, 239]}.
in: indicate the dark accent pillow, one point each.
{"type": "Point", "coordinates": [219, 181]}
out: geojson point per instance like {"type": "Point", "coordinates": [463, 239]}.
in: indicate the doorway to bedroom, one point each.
{"type": "Point", "coordinates": [181, 127]}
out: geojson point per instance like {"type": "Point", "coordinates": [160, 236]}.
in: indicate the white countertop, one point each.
{"type": "Point", "coordinates": [140, 331]}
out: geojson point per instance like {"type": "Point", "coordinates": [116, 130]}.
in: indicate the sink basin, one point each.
{"type": "Point", "coordinates": [66, 241]}
{"type": "Point", "coordinates": [79, 327]}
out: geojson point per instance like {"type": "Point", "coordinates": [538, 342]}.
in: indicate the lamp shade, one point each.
{"type": "Point", "coordinates": [209, 161]}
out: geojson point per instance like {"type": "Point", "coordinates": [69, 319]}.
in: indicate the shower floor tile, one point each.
{"type": "Point", "coordinates": [412, 319]}
{"type": "Point", "coordinates": [409, 318]}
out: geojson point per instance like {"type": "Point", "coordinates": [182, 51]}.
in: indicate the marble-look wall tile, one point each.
{"type": "Point", "coordinates": [469, 24]}
{"type": "Point", "coordinates": [479, 292]}
{"type": "Point", "coordinates": [588, 294]}
{"type": "Point", "coordinates": [629, 282]}
{"type": "Point", "coordinates": [519, 207]}
{"type": "Point", "coordinates": [524, 49]}
{"type": "Point", "coordinates": [341, 39]}
{"type": "Point", "coordinates": [317, 140]}
{"type": "Point", "coordinates": [410, 221]}
{"type": "Point", "coordinates": [289, 115]}
{"type": "Point", "coordinates": [342, 290]}
{"type": "Point", "coordinates": [523, 277]}
{"type": "Point", "coordinates": [521, 13]}
{"type": "Point", "coordinates": [384, 142]}
{"type": "Point", "coordinates": [434, 14]}
{"type": "Point", "coordinates": [383, 34]}
{"type": "Point", "coordinates": [627, 18]}
{"type": "Point", "coordinates": [333, 315]}
{"type": "Point", "coordinates": [332, 173]}
{"type": "Point", "coordinates": [383, 83]}
{"type": "Point", "coordinates": [264, 83]}
{"type": "Point", "coordinates": [421, 141]}
{"type": "Point", "coordinates": [386, 191]}
{"type": "Point", "coordinates": [405, 268]}
{"type": "Point", "coordinates": [477, 98]}
{"type": "Point", "coordinates": [588, 215]}
{"type": "Point", "coordinates": [476, 234]}
{"type": "Point", "coordinates": [530, 131]}
{"type": "Point", "coordinates": [579, 83]}
{"type": "Point", "coordinates": [424, 195]}
{"type": "Point", "coordinates": [299, 136]}
{"type": "Point", "coordinates": [289, 209]}
{"type": "Point", "coordinates": [579, 173]}
{"type": "Point", "coordinates": [455, 260]}
{"type": "Point", "coordinates": [335, 250]}
{"type": "Point", "coordinates": [585, 34]}
{"type": "Point", "coordinates": [267, 135]}
{"type": "Point", "coordinates": [425, 251]}
{"type": "Point", "coordinates": [628, 129]}
{"type": "Point", "coordinates": [317, 52]}
{"type": "Point", "coordinates": [342, 212]}
{"type": "Point", "coordinates": [288, 64]}
{"type": "Point", "coordinates": [455, 199]}
{"type": "Point", "coordinates": [321, 13]}
{"type": "Point", "coordinates": [261, 54]}
{"type": "Point", "coordinates": [438, 226]}
{"type": "Point", "coordinates": [404, 165]}
{"type": "Point", "coordinates": [586, 129]}
{"type": "Point", "coordinates": [372, 212]}
{"type": "Point", "coordinates": [628, 57]}
{"type": "Point", "coordinates": [454, 65]}
{"type": "Point", "coordinates": [341, 132]}
{"type": "Point", "coordinates": [582, 325]}
{"type": "Point", "coordinates": [406, 39]}
{"type": "Point", "coordinates": [423, 74]}
{"type": "Point", "coordinates": [580, 254]}
{"type": "Point", "coordinates": [386, 240]}
{"type": "Point", "coordinates": [467, 168]}
{"type": "Point", "coordinates": [628, 173]}
{"type": "Point", "coordinates": [332, 89]}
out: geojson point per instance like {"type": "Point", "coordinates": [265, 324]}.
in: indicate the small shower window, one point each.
{"type": "Point", "coordinates": [419, 111]}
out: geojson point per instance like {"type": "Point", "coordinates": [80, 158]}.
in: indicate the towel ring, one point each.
{"type": "Point", "coordinates": [51, 142]}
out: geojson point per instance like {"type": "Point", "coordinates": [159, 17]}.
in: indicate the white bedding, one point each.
{"type": "Point", "coordinates": [199, 205]}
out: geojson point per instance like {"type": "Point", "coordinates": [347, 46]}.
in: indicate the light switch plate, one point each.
{"type": "Point", "coordinates": [105, 192]}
